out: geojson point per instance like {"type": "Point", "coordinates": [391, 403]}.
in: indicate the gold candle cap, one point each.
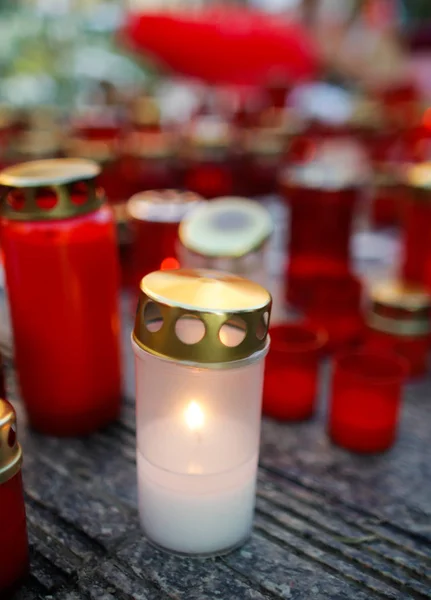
{"type": "Point", "coordinates": [202, 317]}
{"type": "Point", "coordinates": [162, 206]}
{"type": "Point", "coordinates": [146, 111]}
{"type": "Point", "coordinates": [10, 450]}
{"type": "Point", "coordinates": [417, 178]}
{"type": "Point", "coordinates": [99, 150]}
{"type": "Point", "coordinates": [226, 228]}
{"type": "Point", "coordinates": [58, 177]}
{"type": "Point", "coordinates": [400, 309]}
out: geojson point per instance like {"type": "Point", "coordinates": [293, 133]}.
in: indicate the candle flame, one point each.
{"type": "Point", "coordinates": [194, 416]}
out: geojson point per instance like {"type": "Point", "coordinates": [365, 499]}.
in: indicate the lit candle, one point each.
{"type": "Point", "coordinates": [198, 385]}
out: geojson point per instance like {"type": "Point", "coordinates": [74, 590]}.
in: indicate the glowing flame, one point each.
{"type": "Point", "coordinates": [169, 263]}
{"type": "Point", "coordinates": [194, 416]}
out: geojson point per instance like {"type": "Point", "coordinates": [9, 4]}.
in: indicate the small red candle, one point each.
{"type": "Point", "coordinates": [365, 400]}
{"type": "Point", "coordinates": [387, 196]}
{"type": "Point", "coordinates": [416, 265]}
{"type": "Point", "coordinates": [292, 370]}
{"type": "Point", "coordinates": [154, 220]}
{"type": "Point", "coordinates": [62, 275]}
{"type": "Point", "coordinates": [208, 166]}
{"type": "Point", "coordinates": [14, 563]}
{"type": "Point", "coordinates": [399, 320]}
{"type": "Point", "coordinates": [334, 304]}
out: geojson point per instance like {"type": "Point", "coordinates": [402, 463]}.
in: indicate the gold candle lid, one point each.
{"type": "Point", "coordinates": [10, 450]}
{"type": "Point", "coordinates": [162, 206]}
{"type": "Point", "coordinates": [58, 177]}
{"type": "Point", "coordinates": [400, 309]}
{"type": "Point", "coordinates": [146, 111]}
{"type": "Point", "coordinates": [100, 150]}
{"type": "Point", "coordinates": [226, 228]}
{"type": "Point", "coordinates": [202, 317]}
{"type": "Point", "coordinates": [417, 178]}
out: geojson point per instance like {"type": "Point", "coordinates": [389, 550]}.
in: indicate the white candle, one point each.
{"type": "Point", "coordinates": [198, 423]}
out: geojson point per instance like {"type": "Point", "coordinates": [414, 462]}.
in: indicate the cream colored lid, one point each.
{"type": "Point", "coordinates": [226, 227]}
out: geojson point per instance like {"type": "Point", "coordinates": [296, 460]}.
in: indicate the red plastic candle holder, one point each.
{"type": "Point", "coordinates": [334, 304]}
{"type": "Point", "coordinates": [13, 532]}
{"type": "Point", "coordinates": [154, 220]}
{"type": "Point", "coordinates": [399, 321]}
{"type": "Point", "coordinates": [62, 275]}
{"type": "Point", "coordinates": [291, 371]}
{"type": "Point", "coordinates": [365, 400]}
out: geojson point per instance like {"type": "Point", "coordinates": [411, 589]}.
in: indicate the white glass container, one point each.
{"type": "Point", "coordinates": [228, 234]}
{"type": "Point", "coordinates": [199, 340]}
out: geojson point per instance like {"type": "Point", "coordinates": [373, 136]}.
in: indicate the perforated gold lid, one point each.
{"type": "Point", "coordinates": [165, 206]}
{"type": "Point", "coordinates": [400, 309]}
{"type": "Point", "coordinates": [58, 176]}
{"type": "Point", "coordinates": [418, 178]}
{"type": "Point", "coordinates": [230, 314]}
{"type": "Point", "coordinates": [226, 227]}
{"type": "Point", "coordinates": [10, 450]}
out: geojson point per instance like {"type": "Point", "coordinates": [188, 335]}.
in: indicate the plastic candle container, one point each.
{"type": "Point", "coordinates": [208, 164]}
{"type": "Point", "coordinates": [416, 264]}
{"type": "Point", "coordinates": [62, 276]}
{"type": "Point", "coordinates": [228, 234]}
{"type": "Point", "coordinates": [322, 194]}
{"type": "Point", "coordinates": [200, 338]}
{"type": "Point", "coordinates": [399, 320]}
{"type": "Point", "coordinates": [365, 402]}
{"type": "Point", "coordinates": [14, 562]}
{"type": "Point", "coordinates": [292, 370]}
{"type": "Point", "coordinates": [154, 218]}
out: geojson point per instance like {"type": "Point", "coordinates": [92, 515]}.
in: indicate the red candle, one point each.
{"type": "Point", "coordinates": [387, 196]}
{"type": "Point", "coordinates": [62, 276]}
{"type": "Point", "coordinates": [399, 320]}
{"type": "Point", "coordinates": [322, 200]}
{"type": "Point", "coordinates": [291, 371]}
{"type": "Point", "coordinates": [208, 165]}
{"type": "Point", "coordinates": [154, 220]}
{"type": "Point", "coordinates": [13, 532]}
{"type": "Point", "coordinates": [365, 400]}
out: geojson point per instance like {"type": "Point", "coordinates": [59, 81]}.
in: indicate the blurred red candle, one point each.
{"type": "Point", "coordinates": [14, 563]}
{"type": "Point", "coordinates": [399, 320]}
{"type": "Point", "coordinates": [154, 220]}
{"type": "Point", "coordinates": [365, 400]}
{"type": "Point", "coordinates": [291, 371]}
{"type": "Point", "coordinates": [62, 276]}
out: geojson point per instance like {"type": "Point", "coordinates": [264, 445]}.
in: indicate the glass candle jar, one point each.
{"type": "Point", "coordinates": [208, 162]}
{"type": "Point", "coordinates": [154, 218]}
{"type": "Point", "coordinates": [322, 194]}
{"type": "Point", "coordinates": [292, 371]}
{"type": "Point", "coordinates": [416, 263]}
{"type": "Point", "coordinates": [13, 531]}
{"type": "Point", "coordinates": [261, 161]}
{"type": "Point", "coordinates": [229, 234]}
{"type": "Point", "coordinates": [62, 277]}
{"type": "Point", "coordinates": [199, 340]}
{"type": "Point", "coordinates": [399, 320]}
{"type": "Point", "coordinates": [365, 401]}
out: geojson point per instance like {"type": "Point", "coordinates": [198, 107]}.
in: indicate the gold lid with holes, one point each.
{"type": "Point", "coordinates": [58, 175]}
{"type": "Point", "coordinates": [227, 227]}
{"type": "Point", "coordinates": [418, 179]}
{"type": "Point", "coordinates": [400, 309]}
{"type": "Point", "coordinates": [10, 450]}
{"type": "Point", "coordinates": [162, 206]}
{"type": "Point", "coordinates": [228, 314]}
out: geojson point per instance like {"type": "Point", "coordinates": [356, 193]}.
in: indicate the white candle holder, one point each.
{"type": "Point", "coordinates": [228, 234]}
{"type": "Point", "coordinates": [199, 340]}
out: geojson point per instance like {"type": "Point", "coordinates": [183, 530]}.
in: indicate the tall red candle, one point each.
{"type": "Point", "coordinates": [62, 276]}
{"type": "Point", "coordinates": [14, 562]}
{"type": "Point", "coordinates": [399, 320]}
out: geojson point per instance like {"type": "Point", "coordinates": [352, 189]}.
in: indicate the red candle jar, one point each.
{"type": "Point", "coordinates": [262, 159]}
{"type": "Point", "coordinates": [291, 371]}
{"type": "Point", "coordinates": [416, 263]}
{"type": "Point", "coordinates": [62, 276]}
{"type": "Point", "coordinates": [365, 400]}
{"type": "Point", "coordinates": [208, 166]}
{"type": "Point", "coordinates": [154, 218]}
{"type": "Point", "coordinates": [387, 195]}
{"type": "Point", "coordinates": [335, 304]}
{"type": "Point", "coordinates": [399, 320]}
{"type": "Point", "coordinates": [322, 198]}
{"type": "Point", "coordinates": [13, 532]}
